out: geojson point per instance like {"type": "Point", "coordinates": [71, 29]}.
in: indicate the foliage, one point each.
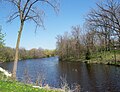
{"type": "Point", "coordinates": [7, 53]}
{"type": "Point", "coordinates": [106, 57]}
{"type": "Point", "coordinates": [30, 54]}
{"type": "Point", "coordinates": [1, 38]}
{"type": "Point", "coordinates": [1, 44]}
{"type": "Point", "coordinates": [70, 46]}
{"type": "Point", "coordinates": [98, 41]}
{"type": "Point", "coordinates": [91, 49]}
{"type": "Point", "coordinates": [49, 53]}
{"type": "Point", "coordinates": [2, 76]}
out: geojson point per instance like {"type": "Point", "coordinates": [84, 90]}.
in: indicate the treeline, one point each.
{"type": "Point", "coordinates": [7, 53]}
{"type": "Point", "coordinates": [70, 45]}
{"type": "Point", "coordinates": [100, 33]}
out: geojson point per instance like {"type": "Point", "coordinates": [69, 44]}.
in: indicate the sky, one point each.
{"type": "Point", "coordinates": [72, 13]}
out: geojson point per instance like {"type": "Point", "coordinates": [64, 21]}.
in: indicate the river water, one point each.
{"type": "Point", "coordinates": [90, 77]}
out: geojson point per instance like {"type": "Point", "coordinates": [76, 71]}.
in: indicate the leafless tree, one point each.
{"type": "Point", "coordinates": [28, 10]}
{"type": "Point", "coordinates": [69, 46]}
{"type": "Point", "coordinates": [106, 19]}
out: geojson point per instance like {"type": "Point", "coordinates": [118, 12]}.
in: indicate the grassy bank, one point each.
{"type": "Point", "coordinates": [13, 86]}
{"type": "Point", "coordinates": [106, 57]}
{"type": "Point", "coordinates": [8, 85]}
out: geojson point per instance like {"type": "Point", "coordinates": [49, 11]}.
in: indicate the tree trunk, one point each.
{"type": "Point", "coordinates": [16, 51]}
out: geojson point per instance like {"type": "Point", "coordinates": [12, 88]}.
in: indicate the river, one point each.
{"type": "Point", "coordinates": [90, 77]}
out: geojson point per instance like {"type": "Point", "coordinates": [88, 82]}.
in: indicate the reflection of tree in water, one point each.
{"type": "Point", "coordinates": [75, 73]}
{"type": "Point", "coordinates": [91, 77]}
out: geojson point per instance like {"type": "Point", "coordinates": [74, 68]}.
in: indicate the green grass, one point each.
{"type": "Point", "coordinates": [103, 57]}
{"type": "Point", "coordinates": [106, 57]}
{"type": "Point", "coordinates": [13, 86]}
{"type": "Point", "coordinates": [8, 85]}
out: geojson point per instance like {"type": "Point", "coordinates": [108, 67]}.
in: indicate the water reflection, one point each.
{"type": "Point", "coordinates": [91, 77]}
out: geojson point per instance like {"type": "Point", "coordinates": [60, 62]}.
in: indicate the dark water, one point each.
{"type": "Point", "coordinates": [91, 77]}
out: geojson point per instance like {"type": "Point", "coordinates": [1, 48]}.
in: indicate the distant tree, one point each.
{"type": "Point", "coordinates": [28, 10]}
{"type": "Point", "coordinates": [7, 54]}
{"type": "Point", "coordinates": [1, 38]}
{"type": "Point", "coordinates": [48, 53]}
{"type": "Point", "coordinates": [70, 46]}
{"type": "Point", "coordinates": [22, 53]}
{"type": "Point", "coordinates": [1, 44]}
{"type": "Point", "coordinates": [59, 46]}
{"type": "Point", "coordinates": [76, 33]}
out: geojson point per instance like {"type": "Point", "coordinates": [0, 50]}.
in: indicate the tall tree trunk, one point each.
{"type": "Point", "coordinates": [16, 51]}
{"type": "Point", "coordinates": [119, 42]}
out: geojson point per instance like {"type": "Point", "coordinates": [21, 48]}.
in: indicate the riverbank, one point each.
{"type": "Point", "coordinates": [9, 85]}
{"type": "Point", "coordinates": [109, 58]}
{"type": "Point", "coordinates": [14, 86]}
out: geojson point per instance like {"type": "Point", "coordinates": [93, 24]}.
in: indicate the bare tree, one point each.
{"type": "Point", "coordinates": [106, 20]}
{"type": "Point", "coordinates": [69, 45]}
{"type": "Point", "coordinates": [28, 10]}
{"type": "Point", "coordinates": [76, 32]}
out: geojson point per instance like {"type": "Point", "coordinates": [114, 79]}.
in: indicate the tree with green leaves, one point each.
{"type": "Point", "coordinates": [1, 44]}
{"type": "Point", "coordinates": [1, 38]}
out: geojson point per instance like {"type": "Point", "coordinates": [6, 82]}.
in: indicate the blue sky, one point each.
{"type": "Point", "coordinates": [72, 13]}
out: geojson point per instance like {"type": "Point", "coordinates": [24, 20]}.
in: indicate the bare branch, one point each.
{"type": "Point", "coordinates": [12, 18]}
{"type": "Point", "coordinates": [14, 2]}
{"type": "Point", "coordinates": [29, 8]}
{"type": "Point", "coordinates": [25, 6]}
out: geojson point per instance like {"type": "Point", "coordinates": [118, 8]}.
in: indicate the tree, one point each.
{"type": "Point", "coordinates": [76, 35]}
{"type": "Point", "coordinates": [22, 53]}
{"type": "Point", "coordinates": [1, 38]}
{"type": "Point", "coordinates": [7, 54]}
{"type": "Point", "coordinates": [1, 44]}
{"type": "Point", "coordinates": [28, 10]}
{"type": "Point", "coordinates": [69, 45]}
{"type": "Point", "coordinates": [107, 21]}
